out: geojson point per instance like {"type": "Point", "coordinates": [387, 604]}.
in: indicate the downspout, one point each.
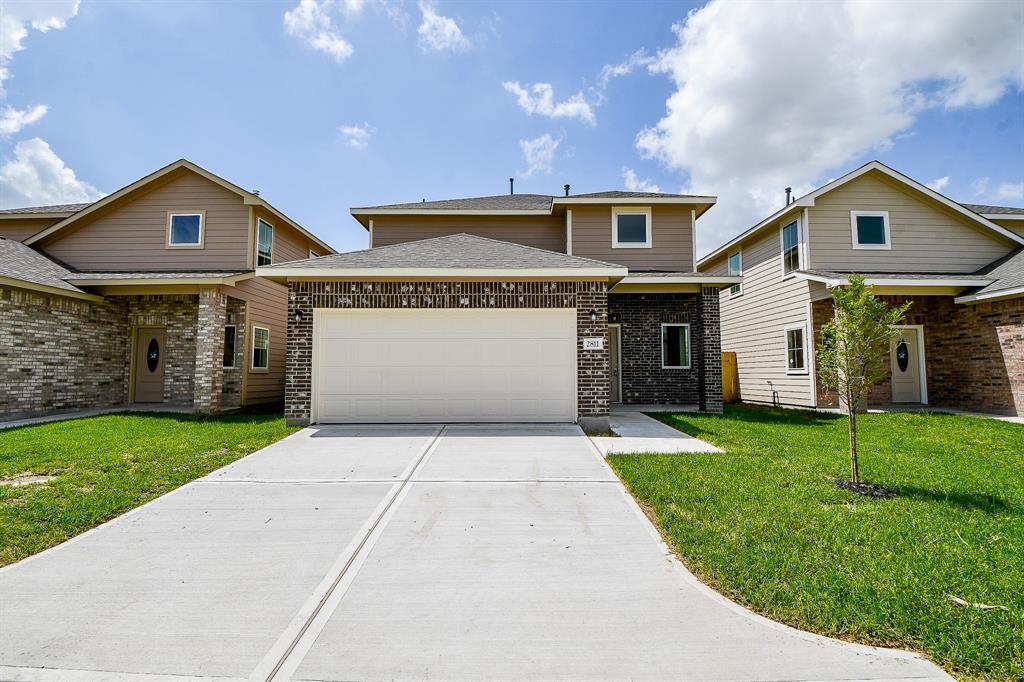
{"type": "Point", "coordinates": [693, 237]}
{"type": "Point", "coordinates": [568, 232]}
{"type": "Point", "coordinates": [371, 233]}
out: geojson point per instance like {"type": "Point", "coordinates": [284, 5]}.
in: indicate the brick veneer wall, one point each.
{"type": "Point", "coordinates": [208, 382]}
{"type": "Point", "coordinates": [231, 392]}
{"type": "Point", "coordinates": [643, 379]}
{"type": "Point", "coordinates": [592, 366]}
{"type": "Point", "coordinates": [974, 354]}
{"type": "Point", "coordinates": [179, 315]}
{"type": "Point", "coordinates": [58, 353]}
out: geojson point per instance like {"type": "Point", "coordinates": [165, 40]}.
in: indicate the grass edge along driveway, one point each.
{"type": "Point", "coordinates": [764, 525]}
{"type": "Point", "coordinates": [106, 465]}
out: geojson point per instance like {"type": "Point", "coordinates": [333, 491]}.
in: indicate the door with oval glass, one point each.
{"type": "Point", "coordinates": [906, 363]}
{"type": "Point", "coordinates": [149, 364]}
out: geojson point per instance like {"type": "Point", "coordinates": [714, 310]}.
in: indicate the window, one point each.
{"type": "Point", "coordinates": [870, 229]}
{"type": "Point", "coordinates": [313, 254]}
{"type": "Point", "coordinates": [796, 351]}
{"type": "Point", "coordinates": [631, 228]}
{"type": "Point", "coordinates": [675, 346]}
{"type": "Point", "coordinates": [260, 348]}
{"type": "Point", "coordinates": [791, 247]}
{"type": "Point", "coordinates": [264, 242]}
{"type": "Point", "coordinates": [735, 270]}
{"type": "Point", "coordinates": [185, 229]}
{"type": "Point", "coordinates": [229, 345]}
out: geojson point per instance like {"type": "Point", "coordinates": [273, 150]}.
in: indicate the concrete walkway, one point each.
{"type": "Point", "coordinates": [638, 433]}
{"type": "Point", "coordinates": [413, 553]}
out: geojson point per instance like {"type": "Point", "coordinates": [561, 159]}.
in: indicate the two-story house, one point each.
{"type": "Point", "coordinates": [506, 308]}
{"type": "Point", "coordinates": [146, 296]}
{"type": "Point", "coordinates": [961, 265]}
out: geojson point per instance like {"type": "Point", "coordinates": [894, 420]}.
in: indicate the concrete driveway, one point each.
{"type": "Point", "coordinates": [398, 553]}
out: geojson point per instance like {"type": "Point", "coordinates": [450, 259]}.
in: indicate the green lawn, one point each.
{"type": "Point", "coordinates": [764, 525]}
{"type": "Point", "coordinates": [104, 466]}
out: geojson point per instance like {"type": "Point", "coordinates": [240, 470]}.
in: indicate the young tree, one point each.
{"type": "Point", "coordinates": [853, 349]}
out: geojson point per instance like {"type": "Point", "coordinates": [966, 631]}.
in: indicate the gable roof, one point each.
{"type": "Point", "coordinates": [457, 254]}
{"type": "Point", "coordinates": [43, 211]}
{"type": "Point", "coordinates": [248, 198]}
{"type": "Point", "coordinates": [808, 200]}
{"type": "Point", "coordinates": [20, 264]}
{"type": "Point", "coordinates": [996, 211]}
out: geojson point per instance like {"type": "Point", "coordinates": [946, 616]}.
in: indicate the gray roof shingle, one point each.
{"type": "Point", "coordinates": [994, 210]}
{"type": "Point", "coordinates": [1007, 271]}
{"type": "Point", "coordinates": [161, 274]}
{"type": "Point", "coordinates": [455, 251]}
{"type": "Point", "coordinates": [840, 274]}
{"type": "Point", "coordinates": [24, 263]}
{"type": "Point", "coordinates": [56, 208]}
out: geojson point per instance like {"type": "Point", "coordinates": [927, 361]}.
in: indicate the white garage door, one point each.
{"type": "Point", "coordinates": [444, 365]}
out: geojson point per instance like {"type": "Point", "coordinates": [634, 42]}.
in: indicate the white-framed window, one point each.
{"type": "Point", "coordinates": [675, 346]}
{"type": "Point", "coordinates": [796, 349]}
{"type": "Point", "coordinates": [870, 229]}
{"type": "Point", "coordinates": [631, 227]}
{"type": "Point", "coordinates": [185, 229]}
{"type": "Point", "coordinates": [736, 270]}
{"type": "Point", "coordinates": [230, 331]}
{"type": "Point", "coordinates": [313, 254]}
{"type": "Point", "coordinates": [264, 242]}
{"type": "Point", "coordinates": [260, 348]}
{"type": "Point", "coordinates": [790, 237]}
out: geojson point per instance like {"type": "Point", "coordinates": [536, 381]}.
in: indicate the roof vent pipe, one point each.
{"type": "Point", "coordinates": [567, 190]}
{"type": "Point", "coordinates": [511, 186]}
{"type": "Point", "coordinates": [256, 192]}
{"type": "Point", "coordinates": [789, 191]}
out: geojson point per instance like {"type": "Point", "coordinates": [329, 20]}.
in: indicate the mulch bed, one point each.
{"type": "Point", "coordinates": [872, 490]}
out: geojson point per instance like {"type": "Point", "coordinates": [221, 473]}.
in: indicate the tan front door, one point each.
{"type": "Point", "coordinates": [149, 365]}
{"type": "Point", "coordinates": [615, 359]}
{"type": "Point", "coordinates": [906, 366]}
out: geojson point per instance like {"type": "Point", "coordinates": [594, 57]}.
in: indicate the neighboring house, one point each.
{"type": "Point", "coordinates": [962, 266]}
{"type": "Point", "coordinates": [506, 308]}
{"type": "Point", "coordinates": [146, 296]}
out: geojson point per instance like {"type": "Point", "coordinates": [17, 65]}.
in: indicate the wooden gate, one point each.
{"type": "Point", "coordinates": [730, 378]}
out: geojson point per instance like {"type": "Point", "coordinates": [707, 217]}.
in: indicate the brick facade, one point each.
{"type": "Point", "coordinates": [208, 384]}
{"type": "Point", "coordinates": [178, 315]}
{"type": "Point", "coordinates": [231, 391]}
{"type": "Point", "coordinates": [644, 381]}
{"type": "Point", "coordinates": [974, 354]}
{"type": "Point", "coordinates": [592, 366]}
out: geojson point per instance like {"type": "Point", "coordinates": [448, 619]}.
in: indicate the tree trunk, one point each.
{"type": "Point", "coordinates": [854, 470]}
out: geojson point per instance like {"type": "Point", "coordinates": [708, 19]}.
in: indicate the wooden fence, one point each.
{"type": "Point", "coordinates": [730, 379]}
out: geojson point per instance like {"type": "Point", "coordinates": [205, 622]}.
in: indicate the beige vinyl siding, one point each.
{"type": "Point", "coordinates": [925, 236]}
{"type": "Point", "coordinates": [133, 234]}
{"type": "Point", "coordinates": [20, 229]}
{"type": "Point", "coordinates": [753, 324]}
{"type": "Point", "coordinates": [289, 243]}
{"type": "Point", "coordinates": [671, 238]}
{"type": "Point", "coordinates": [266, 306]}
{"type": "Point", "coordinates": [540, 231]}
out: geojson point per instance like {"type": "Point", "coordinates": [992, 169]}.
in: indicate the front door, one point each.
{"type": "Point", "coordinates": [149, 365]}
{"type": "Point", "coordinates": [614, 358]}
{"type": "Point", "coordinates": [906, 366]}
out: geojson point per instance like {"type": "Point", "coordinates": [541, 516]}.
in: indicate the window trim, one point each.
{"type": "Point", "coordinates": [632, 210]}
{"type": "Point", "coordinates": [312, 254]}
{"type": "Point", "coordinates": [202, 230]}
{"type": "Point", "coordinates": [256, 253]}
{"type": "Point", "coordinates": [689, 347]}
{"type": "Point", "coordinates": [252, 351]}
{"type": "Point", "coordinates": [799, 246]}
{"type": "Point", "coordinates": [802, 326]}
{"type": "Point", "coordinates": [736, 290]}
{"type": "Point", "coordinates": [884, 215]}
{"type": "Point", "coordinates": [234, 362]}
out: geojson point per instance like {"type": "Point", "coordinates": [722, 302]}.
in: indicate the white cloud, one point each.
{"type": "Point", "coordinates": [36, 176]}
{"type": "Point", "coordinates": [439, 33]}
{"type": "Point", "coordinates": [539, 153]}
{"type": "Point", "coordinates": [634, 61]}
{"type": "Point", "coordinates": [16, 18]}
{"type": "Point", "coordinates": [357, 135]}
{"type": "Point", "coordinates": [939, 184]}
{"type": "Point", "coordinates": [13, 120]}
{"type": "Point", "coordinates": [539, 98]}
{"type": "Point", "coordinates": [979, 186]}
{"type": "Point", "coordinates": [1009, 191]}
{"type": "Point", "coordinates": [635, 184]}
{"type": "Point", "coordinates": [311, 22]}
{"type": "Point", "coordinates": [752, 114]}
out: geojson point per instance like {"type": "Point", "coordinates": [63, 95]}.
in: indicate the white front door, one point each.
{"type": "Point", "coordinates": [444, 365]}
{"type": "Point", "coordinates": [907, 363]}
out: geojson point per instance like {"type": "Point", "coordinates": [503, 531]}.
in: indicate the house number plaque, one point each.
{"type": "Point", "coordinates": [593, 344]}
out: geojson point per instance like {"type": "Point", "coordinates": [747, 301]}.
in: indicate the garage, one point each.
{"type": "Point", "coordinates": [444, 365]}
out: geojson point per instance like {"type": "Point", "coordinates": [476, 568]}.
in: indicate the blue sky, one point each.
{"type": "Point", "coordinates": [327, 105]}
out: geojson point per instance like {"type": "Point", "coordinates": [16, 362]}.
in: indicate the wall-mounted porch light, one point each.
{"type": "Point", "coordinates": [593, 315]}
{"type": "Point", "coordinates": [299, 315]}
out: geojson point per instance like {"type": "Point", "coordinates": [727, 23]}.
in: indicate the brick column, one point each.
{"type": "Point", "coordinates": [299, 366]}
{"type": "Point", "coordinates": [593, 388]}
{"type": "Point", "coordinates": [710, 379]}
{"type": "Point", "coordinates": [209, 372]}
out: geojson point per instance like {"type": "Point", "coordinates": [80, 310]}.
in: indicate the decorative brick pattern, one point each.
{"type": "Point", "coordinates": [209, 368]}
{"type": "Point", "coordinates": [592, 393]}
{"type": "Point", "coordinates": [974, 354]}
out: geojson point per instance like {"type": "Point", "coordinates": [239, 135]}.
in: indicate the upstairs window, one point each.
{"type": "Point", "coordinates": [735, 270]}
{"type": "Point", "coordinates": [870, 229]}
{"type": "Point", "coordinates": [791, 247]}
{"type": "Point", "coordinates": [313, 254]}
{"type": "Point", "coordinates": [631, 228]}
{"type": "Point", "coordinates": [264, 242]}
{"type": "Point", "coordinates": [675, 346]}
{"type": "Point", "coordinates": [185, 229]}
